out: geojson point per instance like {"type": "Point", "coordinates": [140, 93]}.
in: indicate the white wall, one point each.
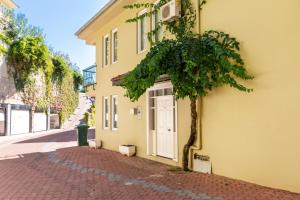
{"type": "Point", "coordinates": [19, 122]}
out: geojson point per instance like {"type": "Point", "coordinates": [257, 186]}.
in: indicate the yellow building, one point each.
{"type": "Point", "coordinates": [253, 137]}
{"type": "Point", "coordinates": [9, 4]}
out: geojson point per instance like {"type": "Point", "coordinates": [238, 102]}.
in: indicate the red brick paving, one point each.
{"type": "Point", "coordinates": [82, 173]}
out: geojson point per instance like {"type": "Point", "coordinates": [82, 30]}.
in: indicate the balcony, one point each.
{"type": "Point", "coordinates": [89, 76]}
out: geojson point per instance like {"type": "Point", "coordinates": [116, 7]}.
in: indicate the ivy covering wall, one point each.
{"type": "Point", "coordinates": [42, 77]}
{"type": "Point", "coordinates": [65, 86]}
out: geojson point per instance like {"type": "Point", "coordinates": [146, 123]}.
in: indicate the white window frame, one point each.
{"type": "Point", "coordinates": [105, 113]}
{"type": "Point", "coordinates": [113, 114]}
{"type": "Point", "coordinates": [113, 47]}
{"type": "Point", "coordinates": [139, 38]}
{"type": "Point", "coordinates": [106, 53]}
{"type": "Point", "coordinates": [153, 24]}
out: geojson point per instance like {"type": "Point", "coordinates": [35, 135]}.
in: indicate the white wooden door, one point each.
{"type": "Point", "coordinates": [19, 122]}
{"type": "Point", "coordinates": [165, 133]}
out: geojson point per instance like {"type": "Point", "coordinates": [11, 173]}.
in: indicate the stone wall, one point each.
{"type": "Point", "coordinates": [8, 93]}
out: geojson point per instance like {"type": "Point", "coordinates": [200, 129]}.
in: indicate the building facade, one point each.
{"type": "Point", "coordinates": [252, 137]}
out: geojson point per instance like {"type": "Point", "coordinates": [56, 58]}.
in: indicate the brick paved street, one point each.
{"type": "Point", "coordinates": [51, 167]}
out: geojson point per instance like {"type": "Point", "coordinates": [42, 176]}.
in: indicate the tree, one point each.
{"type": "Point", "coordinates": [27, 56]}
{"type": "Point", "coordinates": [16, 26]}
{"type": "Point", "coordinates": [78, 79]}
{"type": "Point", "coordinates": [195, 63]}
{"type": "Point", "coordinates": [41, 77]}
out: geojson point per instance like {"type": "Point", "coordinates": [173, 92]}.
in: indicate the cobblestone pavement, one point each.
{"type": "Point", "coordinates": [51, 167]}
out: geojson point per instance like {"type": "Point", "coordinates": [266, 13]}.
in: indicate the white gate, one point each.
{"type": "Point", "coordinates": [19, 122]}
{"type": "Point", "coordinates": [39, 122]}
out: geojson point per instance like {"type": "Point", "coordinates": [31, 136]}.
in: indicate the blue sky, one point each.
{"type": "Point", "coordinates": [60, 19]}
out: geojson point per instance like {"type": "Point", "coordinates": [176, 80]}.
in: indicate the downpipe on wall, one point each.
{"type": "Point", "coordinates": [198, 144]}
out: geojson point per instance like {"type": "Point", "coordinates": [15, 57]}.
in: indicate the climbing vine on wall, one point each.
{"type": "Point", "coordinates": [41, 77]}
{"type": "Point", "coordinates": [65, 87]}
{"type": "Point", "coordinates": [196, 63]}
{"type": "Point", "coordinates": [27, 57]}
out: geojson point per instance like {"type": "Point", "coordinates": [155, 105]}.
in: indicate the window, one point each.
{"type": "Point", "coordinates": [114, 108]}
{"type": "Point", "coordinates": [114, 45]}
{"type": "Point", "coordinates": [152, 113]}
{"type": "Point", "coordinates": [105, 113]}
{"type": "Point", "coordinates": [142, 32]}
{"type": "Point", "coordinates": [105, 51]}
{"type": "Point", "coordinates": [153, 95]}
{"type": "Point", "coordinates": [156, 19]}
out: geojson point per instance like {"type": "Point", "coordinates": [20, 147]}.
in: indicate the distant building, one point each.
{"type": "Point", "coordinates": [89, 81]}
{"type": "Point", "coordinates": [8, 4]}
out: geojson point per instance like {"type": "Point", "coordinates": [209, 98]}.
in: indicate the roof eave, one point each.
{"type": "Point", "coordinates": [10, 4]}
{"type": "Point", "coordinates": [97, 15]}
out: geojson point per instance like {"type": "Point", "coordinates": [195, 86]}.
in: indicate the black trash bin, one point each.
{"type": "Point", "coordinates": [82, 131]}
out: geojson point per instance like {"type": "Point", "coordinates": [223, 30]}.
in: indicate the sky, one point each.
{"type": "Point", "coordinates": [59, 20]}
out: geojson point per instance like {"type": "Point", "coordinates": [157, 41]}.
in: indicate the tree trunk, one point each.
{"type": "Point", "coordinates": [193, 134]}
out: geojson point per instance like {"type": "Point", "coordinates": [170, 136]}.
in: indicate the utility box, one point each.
{"type": "Point", "coordinates": [202, 164]}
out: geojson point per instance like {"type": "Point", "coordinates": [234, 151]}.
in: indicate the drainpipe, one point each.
{"type": "Point", "coordinates": [198, 143]}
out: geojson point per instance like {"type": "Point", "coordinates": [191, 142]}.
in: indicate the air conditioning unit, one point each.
{"type": "Point", "coordinates": [170, 11]}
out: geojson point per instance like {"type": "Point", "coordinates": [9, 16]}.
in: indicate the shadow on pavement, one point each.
{"type": "Point", "coordinates": [70, 136]}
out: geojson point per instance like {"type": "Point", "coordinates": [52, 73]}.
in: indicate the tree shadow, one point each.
{"type": "Point", "coordinates": [66, 136]}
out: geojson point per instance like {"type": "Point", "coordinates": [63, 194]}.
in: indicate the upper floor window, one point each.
{"type": "Point", "coordinates": [105, 50]}
{"type": "Point", "coordinates": [114, 45]}
{"type": "Point", "coordinates": [156, 18]}
{"type": "Point", "coordinates": [142, 32]}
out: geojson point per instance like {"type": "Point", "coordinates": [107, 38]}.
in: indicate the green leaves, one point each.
{"type": "Point", "coordinates": [151, 7]}
{"type": "Point", "coordinates": [77, 79]}
{"type": "Point", "coordinates": [195, 65]}
{"type": "Point", "coordinates": [61, 68]}
{"type": "Point", "coordinates": [42, 78]}
{"type": "Point", "coordinates": [28, 56]}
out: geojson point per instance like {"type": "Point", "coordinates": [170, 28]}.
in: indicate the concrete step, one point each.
{"type": "Point", "coordinates": [83, 106]}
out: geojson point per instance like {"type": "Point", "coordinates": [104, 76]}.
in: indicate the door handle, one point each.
{"type": "Point", "coordinates": [169, 129]}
